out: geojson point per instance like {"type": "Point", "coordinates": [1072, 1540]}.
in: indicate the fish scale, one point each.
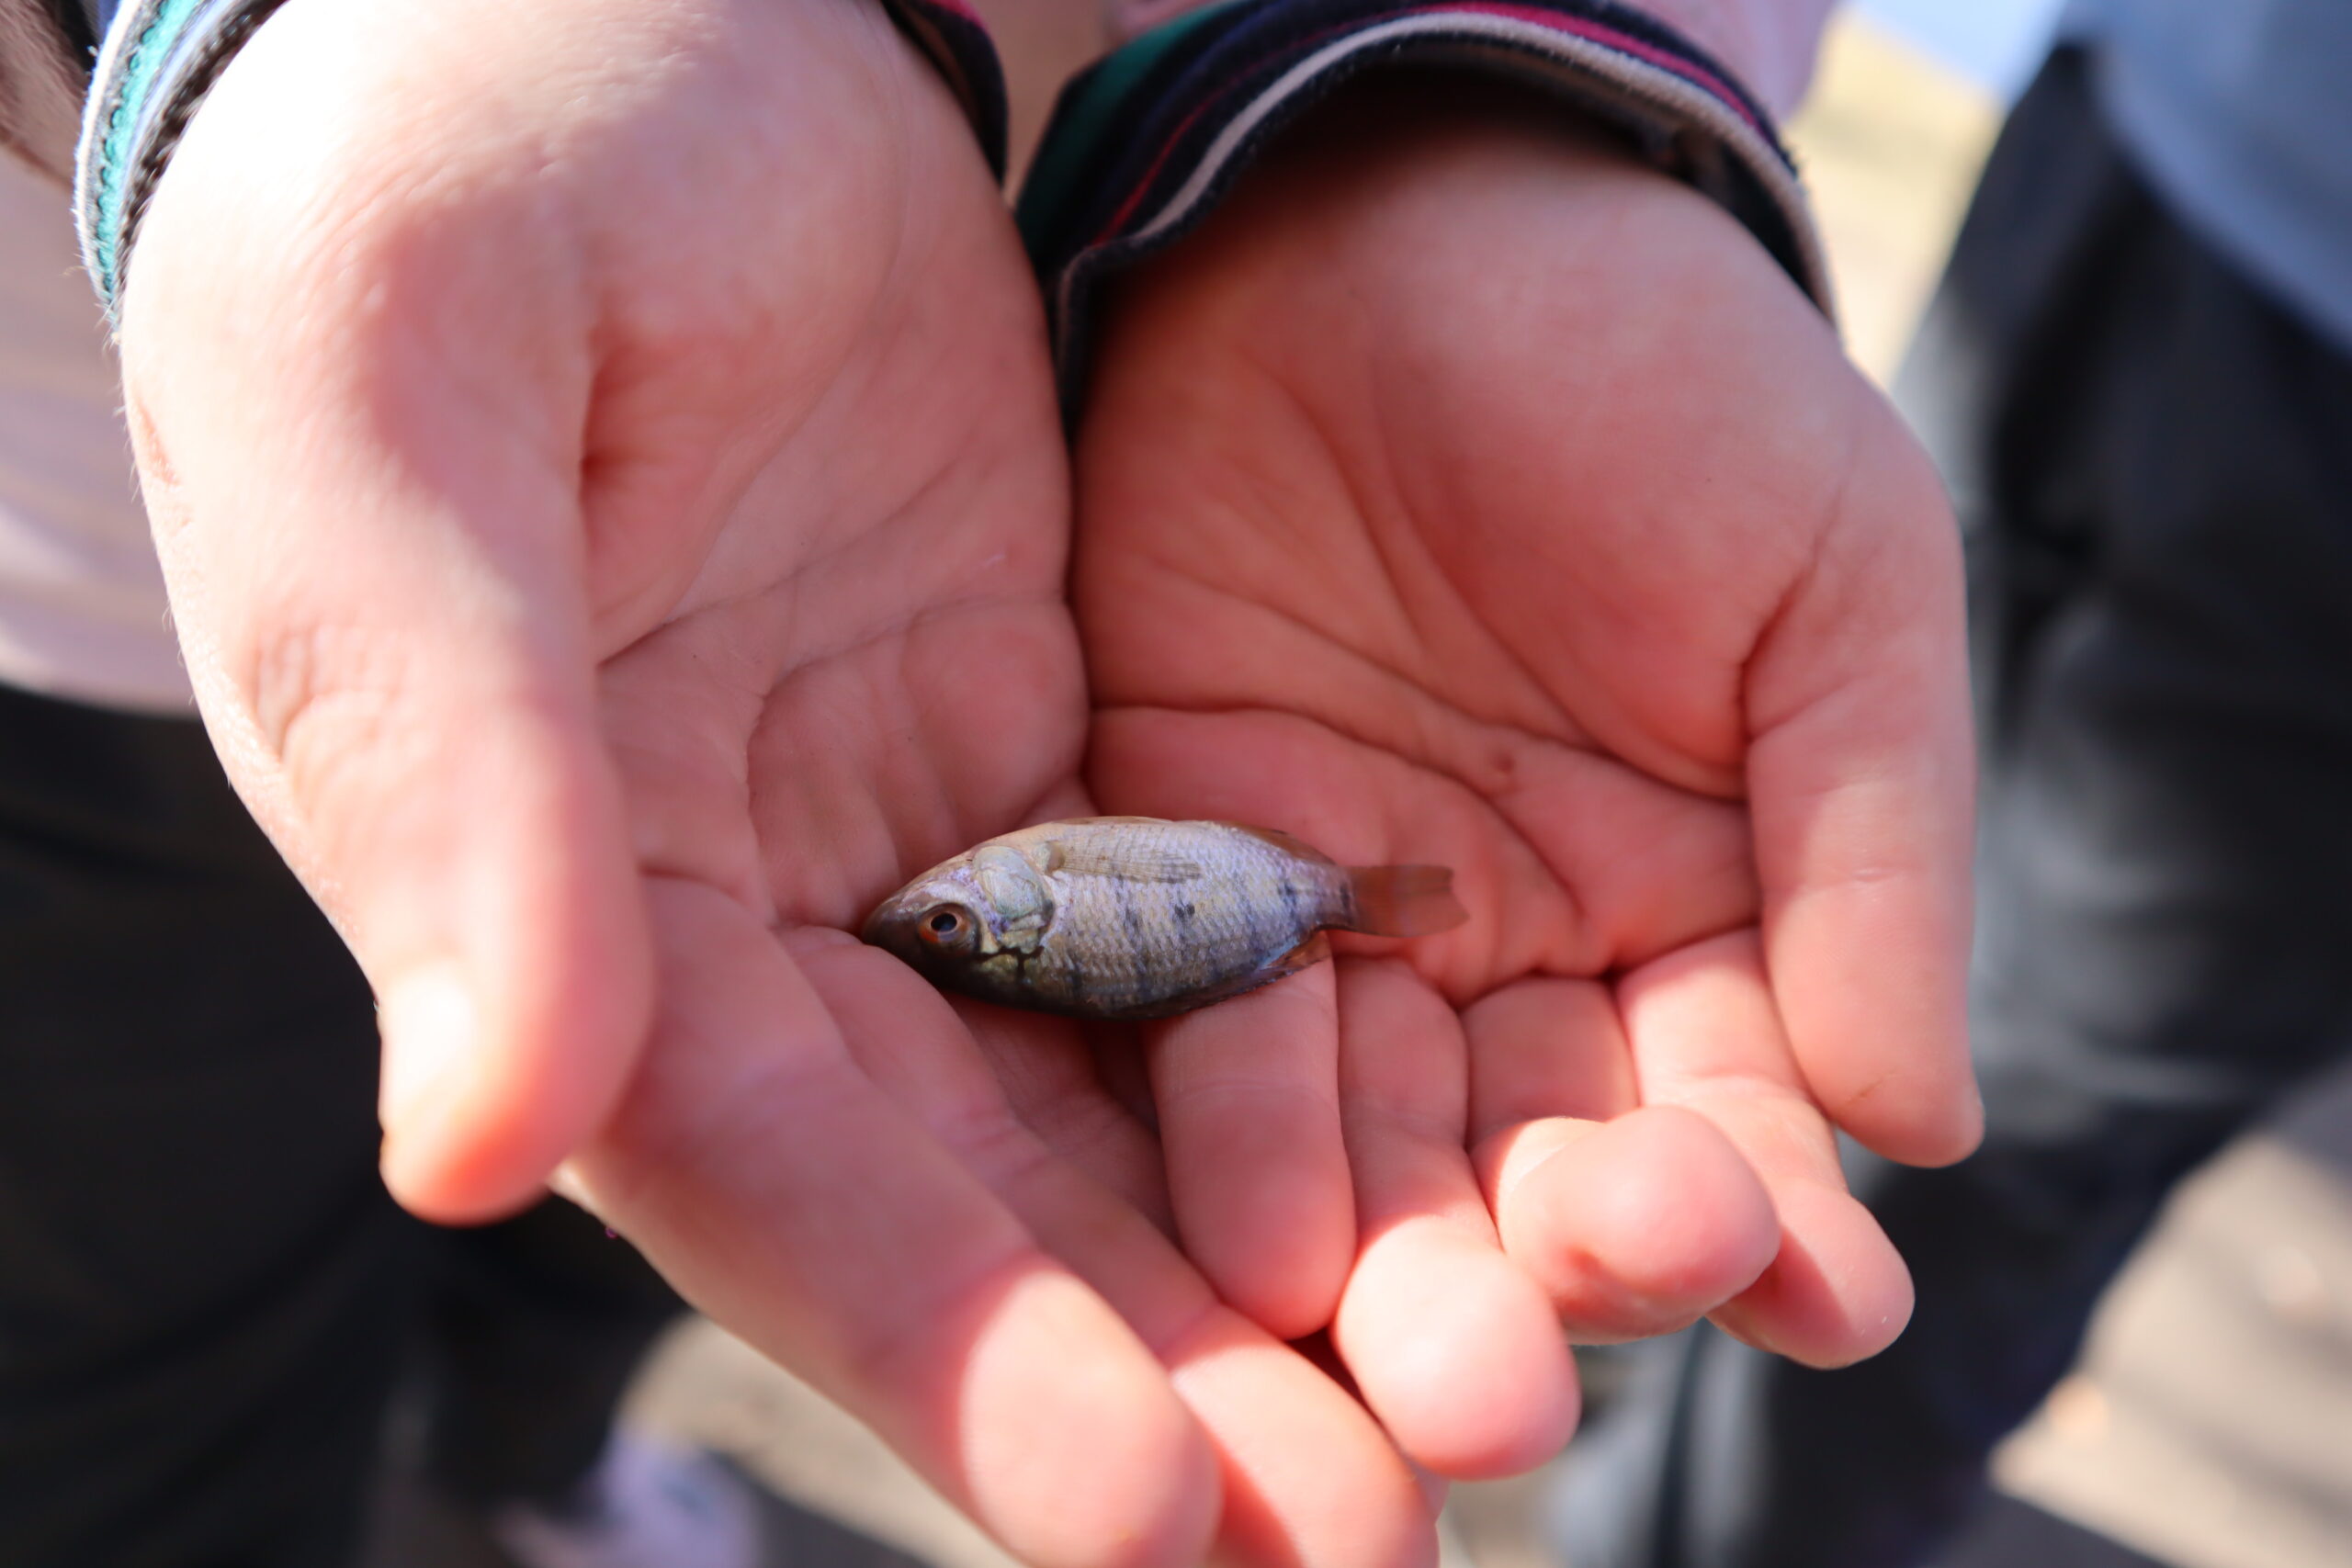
{"type": "Point", "coordinates": [1126, 944]}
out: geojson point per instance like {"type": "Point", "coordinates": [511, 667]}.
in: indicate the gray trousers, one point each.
{"type": "Point", "coordinates": [2153, 463]}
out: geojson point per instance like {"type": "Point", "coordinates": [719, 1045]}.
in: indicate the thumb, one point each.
{"type": "Point", "coordinates": [1861, 782]}
{"type": "Point", "coordinates": [363, 473]}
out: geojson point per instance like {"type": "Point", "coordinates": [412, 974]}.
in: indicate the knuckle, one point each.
{"type": "Point", "coordinates": [328, 702]}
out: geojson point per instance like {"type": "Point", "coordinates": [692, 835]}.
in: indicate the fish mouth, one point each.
{"type": "Point", "coordinates": [876, 931]}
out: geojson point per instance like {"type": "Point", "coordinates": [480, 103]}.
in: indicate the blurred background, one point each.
{"type": "Point", "coordinates": [2209, 1424]}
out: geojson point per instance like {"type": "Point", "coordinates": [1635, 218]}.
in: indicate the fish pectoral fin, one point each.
{"type": "Point", "coordinates": [1404, 900]}
{"type": "Point", "coordinates": [1305, 955]}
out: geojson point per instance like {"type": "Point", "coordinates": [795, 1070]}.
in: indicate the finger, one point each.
{"type": "Point", "coordinates": [1635, 1227]}
{"type": "Point", "coordinates": [1306, 1478]}
{"type": "Point", "coordinates": [1545, 1047]}
{"type": "Point", "coordinates": [1248, 1097]}
{"type": "Point", "coordinates": [1083, 1093]}
{"type": "Point", "coordinates": [1859, 780]}
{"type": "Point", "coordinates": [364, 484]}
{"type": "Point", "coordinates": [1453, 1348]}
{"type": "Point", "coordinates": [1634, 1221]}
{"type": "Point", "coordinates": [1705, 1037]}
{"type": "Point", "coordinates": [764, 1174]}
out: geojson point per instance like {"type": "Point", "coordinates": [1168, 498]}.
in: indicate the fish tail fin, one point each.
{"type": "Point", "coordinates": [1404, 900]}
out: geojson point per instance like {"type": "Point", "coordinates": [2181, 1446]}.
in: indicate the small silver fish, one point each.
{"type": "Point", "coordinates": [1135, 917]}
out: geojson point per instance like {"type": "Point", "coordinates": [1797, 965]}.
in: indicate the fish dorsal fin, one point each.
{"type": "Point", "coordinates": [1134, 864]}
{"type": "Point", "coordinates": [1285, 843]}
{"type": "Point", "coordinates": [1118, 854]}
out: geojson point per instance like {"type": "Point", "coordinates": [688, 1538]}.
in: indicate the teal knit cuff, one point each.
{"type": "Point", "coordinates": [160, 57]}
{"type": "Point", "coordinates": [159, 60]}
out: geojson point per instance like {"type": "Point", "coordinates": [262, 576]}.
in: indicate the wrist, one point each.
{"type": "Point", "coordinates": [162, 58]}
{"type": "Point", "coordinates": [1147, 142]}
{"type": "Point", "coordinates": [1344, 253]}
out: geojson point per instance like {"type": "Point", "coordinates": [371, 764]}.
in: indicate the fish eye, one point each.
{"type": "Point", "coordinates": [944, 926]}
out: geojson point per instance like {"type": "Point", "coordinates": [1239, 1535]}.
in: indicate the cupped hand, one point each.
{"type": "Point", "coordinates": [604, 465]}
{"type": "Point", "coordinates": [1467, 493]}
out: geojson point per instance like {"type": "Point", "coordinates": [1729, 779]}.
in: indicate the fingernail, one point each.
{"type": "Point", "coordinates": [432, 1030]}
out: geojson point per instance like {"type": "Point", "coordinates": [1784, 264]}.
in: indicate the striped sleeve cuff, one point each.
{"type": "Point", "coordinates": [160, 57]}
{"type": "Point", "coordinates": [1145, 143]}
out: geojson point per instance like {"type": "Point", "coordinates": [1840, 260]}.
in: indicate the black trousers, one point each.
{"type": "Point", "coordinates": [2153, 463]}
{"type": "Point", "coordinates": [206, 1295]}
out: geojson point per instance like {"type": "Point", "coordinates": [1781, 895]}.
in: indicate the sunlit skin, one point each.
{"type": "Point", "coordinates": [614, 504]}
{"type": "Point", "coordinates": [1465, 493]}
{"type": "Point", "coordinates": [618, 525]}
